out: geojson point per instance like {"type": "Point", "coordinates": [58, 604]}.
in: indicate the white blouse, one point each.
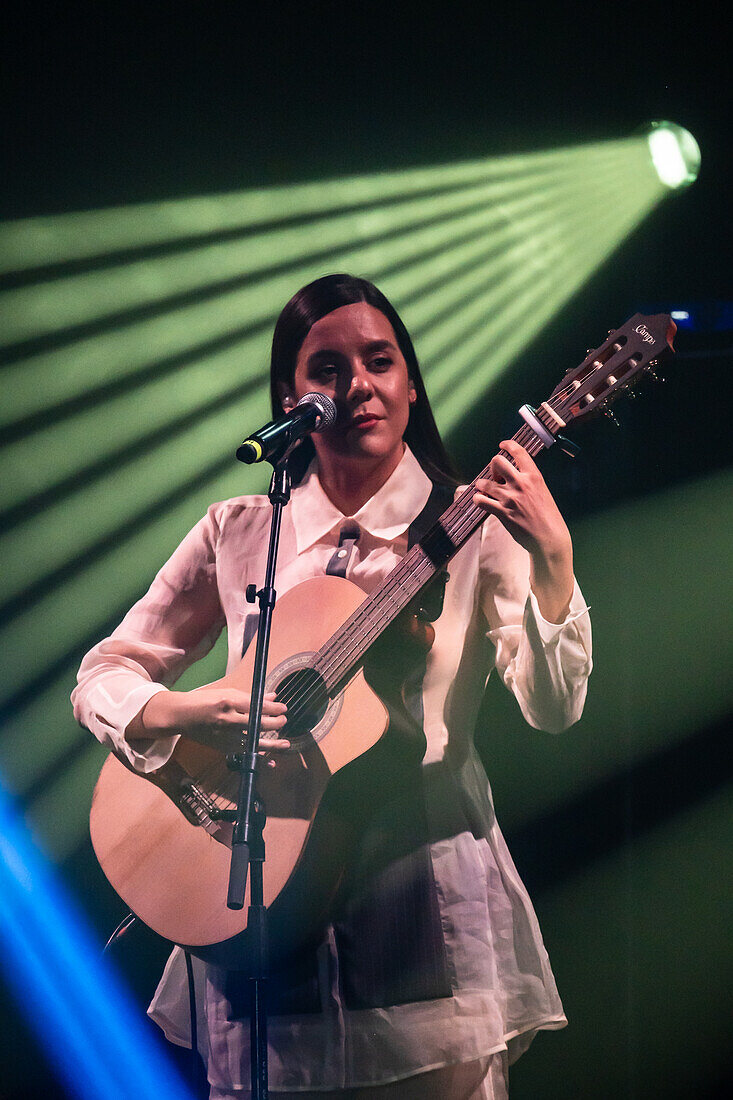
{"type": "Point", "coordinates": [503, 990]}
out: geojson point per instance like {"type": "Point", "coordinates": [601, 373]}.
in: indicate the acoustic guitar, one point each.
{"type": "Point", "coordinates": [163, 840]}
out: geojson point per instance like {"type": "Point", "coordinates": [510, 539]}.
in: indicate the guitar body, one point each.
{"type": "Point", "coordinates": [169, 861]}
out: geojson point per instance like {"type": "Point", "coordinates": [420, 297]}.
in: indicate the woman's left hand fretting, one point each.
{"type": "Point", "coordinates": [518, 496]}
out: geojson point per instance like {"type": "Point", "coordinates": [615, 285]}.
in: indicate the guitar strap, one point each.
{"type": "Point", "coordinates": [341, 558]}
{"type": "Point", "coordinates": [431, 598]}
{"type": "Point", "coordinates": [441, 496]}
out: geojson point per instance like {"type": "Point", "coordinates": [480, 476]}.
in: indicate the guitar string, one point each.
{"type": "Point", "coordinates": [424, 568]}
{"type": "Point", "coordinates": [469, 517]}
{"type": "Point", "coordinates": [466, 516]}
{"type": "Point", "coordinates": [354, 630]}
{"type": "Point", "coordinates": [353, 627]}
{"type": "Point", "coordinates": [466, 521]}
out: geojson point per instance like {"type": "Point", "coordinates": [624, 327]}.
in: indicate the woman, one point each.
{"type": "Point", "coordinates": [432, 975]}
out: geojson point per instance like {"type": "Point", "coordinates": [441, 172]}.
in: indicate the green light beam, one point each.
{"type": "Point", "coordinates": [64, 373]}
{"type": "Point", "coordinates": [509, 271]}
{"type": "Point", "coordinates": [514, 309]}
{"type": "Point", "coordinates": [53, 536]}
{"type": "Point", "coordinates": [17, 638]}
{"type": "Point", "coordinates": [46, 538]}
{"type": "Point", "coordinates": [39, 241]}
{"type": "Point", "coordinates": [428, 307]}
{"type": "Point", "coordinates": [59, 814]}
{"type": "Point", "coordinates": [38, 461]}
{"type": "Point", "coordinates": [31, 550]}
{"type": "Point", "coordinates": [527, 314]}
{"type": "Point", "coordinates": [115, 581]}
{"type": "Point", "coordinates": [79, 299]}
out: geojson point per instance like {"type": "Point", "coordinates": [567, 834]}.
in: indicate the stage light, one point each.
{"type": "Point", "coordinates": [675, 154]}
{"type": "Point", "coordinates": [88, 1023]}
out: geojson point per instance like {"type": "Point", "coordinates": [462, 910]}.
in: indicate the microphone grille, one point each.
{"type": "Point", "coordinates": [326, 407]}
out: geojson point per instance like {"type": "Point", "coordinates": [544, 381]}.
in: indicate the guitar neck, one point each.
{"type": "Point", "coordinates": [344, 652]}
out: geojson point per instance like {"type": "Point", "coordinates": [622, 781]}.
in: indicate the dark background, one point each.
{"type": "Point", "coordinates": [114, 105]}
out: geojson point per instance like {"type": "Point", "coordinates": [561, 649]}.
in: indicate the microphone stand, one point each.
{"type": "Point", "coordinates": [248, 845]}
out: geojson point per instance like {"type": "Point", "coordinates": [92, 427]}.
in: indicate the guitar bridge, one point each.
{"type": "Point", "coordinates": [198, 808]}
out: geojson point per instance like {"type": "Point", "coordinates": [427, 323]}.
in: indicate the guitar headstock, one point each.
{"type": "Point", "coordinates": [613, 367]}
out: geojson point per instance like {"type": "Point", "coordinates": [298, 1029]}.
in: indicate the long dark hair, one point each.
{"type": "Point", "coordinates": [309, 305]}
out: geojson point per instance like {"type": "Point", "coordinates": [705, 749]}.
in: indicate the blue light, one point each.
{"type": "Point", "coordinates": [69, 993]}
{"type": "Point", "coordinates": [706, 318]}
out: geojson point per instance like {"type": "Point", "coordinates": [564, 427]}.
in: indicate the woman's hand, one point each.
{"type": "Point", "coordinates": [216, 716]}
{"type": "Point", "coordinates": [518, 496]}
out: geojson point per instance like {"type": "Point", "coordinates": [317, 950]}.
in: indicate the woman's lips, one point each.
{"type": "Point", "coordinates": [364, 422]}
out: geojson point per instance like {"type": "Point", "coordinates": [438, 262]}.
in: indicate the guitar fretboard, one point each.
{"type": "Point", "coordinates": [345, 650]}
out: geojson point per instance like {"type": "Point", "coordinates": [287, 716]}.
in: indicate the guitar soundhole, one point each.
{"type": "Point", "coordinates": [304, 694]}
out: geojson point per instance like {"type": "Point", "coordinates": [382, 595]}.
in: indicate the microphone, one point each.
{"type": "Point", "coordinates": [313, 413]}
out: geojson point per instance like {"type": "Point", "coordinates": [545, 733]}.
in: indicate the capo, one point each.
{"type": "Point", "coordinates": [529, 416]}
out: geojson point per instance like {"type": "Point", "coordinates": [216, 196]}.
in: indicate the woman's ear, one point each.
{"type": "Point", "coordinates": [411, 391]}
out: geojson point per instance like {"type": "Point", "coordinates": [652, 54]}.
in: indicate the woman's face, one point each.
{"type": "Point", "coordinates": [352, 355]}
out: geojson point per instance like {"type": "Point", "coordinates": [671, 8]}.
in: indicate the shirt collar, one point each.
{"type": "Point", "coordinates": [385, 515]}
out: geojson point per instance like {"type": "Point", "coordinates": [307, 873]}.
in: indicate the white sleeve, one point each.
{"type": "Point", "coordinates": [546, 665]}
{"type": "Point", "coordinates": [174, 624]}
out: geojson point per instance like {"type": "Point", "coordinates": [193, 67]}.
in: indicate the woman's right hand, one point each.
{"type": "Point", "coordinates": [216, 716]}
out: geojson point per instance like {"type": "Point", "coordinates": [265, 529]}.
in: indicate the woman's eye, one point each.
{"type": "Point", "coordinates": [382, 362]}
{"type": "Point", "coordinates": [327, 371]}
